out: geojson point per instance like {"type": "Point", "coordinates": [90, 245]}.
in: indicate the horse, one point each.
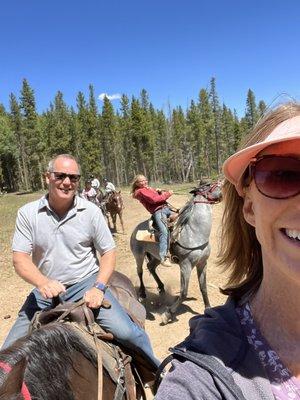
{"type": "Point", "coordinates": [63, 356]}
{"type": "Point", "coordinates": [52, 363]}
{"type": "Point", "coordinates": [114, 206]}
{"type": "Point", "coordinates": [189, 246]}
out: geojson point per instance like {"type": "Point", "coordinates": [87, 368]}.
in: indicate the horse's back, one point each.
{"type": "Point", "coordinates": [124, 291]}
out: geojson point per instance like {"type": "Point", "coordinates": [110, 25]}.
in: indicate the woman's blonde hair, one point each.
{"type": "Point", "coordinates": [240, 251]}
{"type": "Point", "coordinates": [134, 183]}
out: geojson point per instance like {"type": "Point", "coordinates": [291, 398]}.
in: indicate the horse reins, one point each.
{"type": "Point", "coordinates": [90, 327]}
{"type": "Point", "coordinates": [200, 247]}
{"type": "Point", "coordinates": [24, 390]}
{"type": "Point", "coordinates": [205, 193]}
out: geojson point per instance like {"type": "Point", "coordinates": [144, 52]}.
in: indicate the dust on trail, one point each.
{"type": "Point", "coordinates": [14, 291]}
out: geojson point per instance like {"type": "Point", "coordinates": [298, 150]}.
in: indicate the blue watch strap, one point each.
{"type": "Point", "coordinates": [101, 286]}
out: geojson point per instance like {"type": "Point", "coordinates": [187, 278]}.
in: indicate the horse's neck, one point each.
{"type": "Point", "coordinates": [198, 224]}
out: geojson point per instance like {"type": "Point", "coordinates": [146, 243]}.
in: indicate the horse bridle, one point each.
{"type": "Point", "coordinates": [205, 193]}
{"type": "Point", "coordinates": [24, 390]}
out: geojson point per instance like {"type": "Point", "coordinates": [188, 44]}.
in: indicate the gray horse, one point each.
{"type": "Point", "coordinates": [189, 247]}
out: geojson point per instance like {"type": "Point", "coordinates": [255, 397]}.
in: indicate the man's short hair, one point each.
{"type": "Point", "coordinates": [68, 156]}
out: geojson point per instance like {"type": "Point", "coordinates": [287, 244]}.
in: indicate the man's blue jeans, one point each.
{"type": "Point", "coordinates": [113, 319]}
{"type": "Point", "coordinates": [160, 217]}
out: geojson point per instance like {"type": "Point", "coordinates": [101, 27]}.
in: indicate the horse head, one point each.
{"type": "Point", "coordinates": [116, 200]}
{"type": "Point", "coordinates": [12, 384]}
{"type": "Point", "coordinates": [212, 193]}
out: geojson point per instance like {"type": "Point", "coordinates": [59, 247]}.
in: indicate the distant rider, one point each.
{"type": "Point", "coordinates": [95, 183]}
{"type": "Point", "coordinates": [154, 200]}
{"type": "Point", "coordinates": [108, 188]}
{"type": "Point", "coordinates": [89, 193]}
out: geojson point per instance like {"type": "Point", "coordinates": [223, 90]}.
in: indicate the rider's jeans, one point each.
{"type": "Point", "coordinates": [114, 319]}
{"type": "Point", "coordinates": [160, 217]}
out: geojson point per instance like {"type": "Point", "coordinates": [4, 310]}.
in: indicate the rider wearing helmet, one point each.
{"type": "Point", "coordinates": [108, 188]}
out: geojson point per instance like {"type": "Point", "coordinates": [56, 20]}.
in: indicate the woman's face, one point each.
{"type": "Point", "coordinates": [142, 181]}
{"type": "Point", "coordinates": [277, 225]}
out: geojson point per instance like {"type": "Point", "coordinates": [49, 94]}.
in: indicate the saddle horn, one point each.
{"type": "Point", "coordinates": [56, 300]}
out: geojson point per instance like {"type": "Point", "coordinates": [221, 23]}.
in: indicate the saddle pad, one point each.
{"type": "Point", "coordinates": [145, 236]}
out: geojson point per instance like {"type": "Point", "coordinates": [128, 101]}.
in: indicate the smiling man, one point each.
{"type": "Point", "coordinates": [62, 246]}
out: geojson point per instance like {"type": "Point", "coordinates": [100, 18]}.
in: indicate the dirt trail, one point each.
{"type": "Point", "coordinates": [13, 290]}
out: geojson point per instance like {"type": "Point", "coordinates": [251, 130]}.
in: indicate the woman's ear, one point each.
{"type": "Point", "coordinates": [248, 211]}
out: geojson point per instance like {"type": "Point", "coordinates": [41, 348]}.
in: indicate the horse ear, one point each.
{"type": "Point", "coordinates": [119, 191]}
{"type": "Point", "coordinates": [13, 380]}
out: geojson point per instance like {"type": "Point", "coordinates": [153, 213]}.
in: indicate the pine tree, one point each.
{"type": "Point", "coordinates": [108, 128]}
{"type": "Point", "coordinates": [262, 107]}
{"type": "Point", "coordinates": [206, 137]}
{"type": "Point", "coordinates": [33, 141]}
{"type": "Point", "coordinates": [58, 130]}
{"type": "Point", "coordinates": [251, 113]}
{"type": "Point", "coordinates": [16, 126]}
{"type": "Point", "coordinates": [216, 111]}
{"type": "Point", "coordinates": [128, 158]}
{"type": "Point", "coordinates": [8, 155]}
{"type": "Point", "coordinates": [93, 137]}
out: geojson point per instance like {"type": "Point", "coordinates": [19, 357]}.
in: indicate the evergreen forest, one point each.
{"type": "Point", "coordinates": [182, 146]}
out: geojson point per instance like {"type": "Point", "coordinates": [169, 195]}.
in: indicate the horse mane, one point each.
{"type": "Point", "coordinates": [44, 374]}
{"type": "Point", "coordinates": [185, 213]}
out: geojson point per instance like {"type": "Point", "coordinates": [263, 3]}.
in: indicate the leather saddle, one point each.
{"type": "Point", "coordinates": [151, 234]}
{"type": "Point", "coordinates": [136, 367]}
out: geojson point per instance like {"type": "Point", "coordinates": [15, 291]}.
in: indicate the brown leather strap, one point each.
{"type": "Point", "coordinates": [99, 355]}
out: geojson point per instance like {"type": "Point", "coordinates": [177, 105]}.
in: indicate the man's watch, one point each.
{"type": "Point", "coordinates": [100, 286]}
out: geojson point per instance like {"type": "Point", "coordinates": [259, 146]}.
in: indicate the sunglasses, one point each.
{"type": "Point", "coordinates": [61, 176]}
{"type": "Point", "coordinates": [277, 177]}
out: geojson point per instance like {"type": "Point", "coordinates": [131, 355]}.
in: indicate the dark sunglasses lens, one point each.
{"type": "Point", "coordinates": [62, 177]}
{"type": "Point", "coordinates": [278, 177]}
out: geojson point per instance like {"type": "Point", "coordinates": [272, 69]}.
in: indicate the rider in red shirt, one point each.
{"type": "Point", "coordinates": [154, 200]}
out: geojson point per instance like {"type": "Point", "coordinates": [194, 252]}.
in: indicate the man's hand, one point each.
{"type": "Point", "coordinates": [171, 192]}
{"type": "Point", "coordinates": [51, 289]}
{"type": "Point", "coordinates": [93, 298]}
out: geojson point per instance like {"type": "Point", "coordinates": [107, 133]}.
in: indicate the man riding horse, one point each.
{"type": "Point", "coordinates": [55, 249]}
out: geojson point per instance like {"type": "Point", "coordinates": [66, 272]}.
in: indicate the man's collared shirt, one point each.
{"type": "Point", "coordinates": [63, 248]}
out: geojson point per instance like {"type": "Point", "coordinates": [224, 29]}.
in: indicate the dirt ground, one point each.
{"type": "Point", "coordinates": [13, 290]}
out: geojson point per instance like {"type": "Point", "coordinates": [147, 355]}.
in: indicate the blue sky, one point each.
{"type": "Point", "coordinates": [170, 48]}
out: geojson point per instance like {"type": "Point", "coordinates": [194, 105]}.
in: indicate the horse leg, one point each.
{"type": "Point", "coordinates": [108, 220]}
{"type": "Point", "coordinates": [121, 220]}
{"type": "Point", "coordinates": [185, 274]}
{"type": "Point", "coordinates": [151, 265]}
{"type": "Point", "coordinates": [114, 221]}
{"type": "Point", "coordinates": [139, 259]}
{"type": "Point", "coordinates": [201, 273]}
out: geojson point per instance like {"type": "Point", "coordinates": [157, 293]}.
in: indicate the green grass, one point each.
{"type": "Point", "coordinates": [9, 205]}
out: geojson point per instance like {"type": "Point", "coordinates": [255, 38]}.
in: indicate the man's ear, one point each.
{"type": "Point", "coordinates": [248, 210]}
{"type": "Point", "coordinates": [47, 174]}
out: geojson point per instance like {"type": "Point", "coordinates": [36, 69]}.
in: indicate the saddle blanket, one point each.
{"type": "Point", "coordinates": [145, 236]}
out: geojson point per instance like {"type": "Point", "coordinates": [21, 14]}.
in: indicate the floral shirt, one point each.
{"type": "Point", "coordinates": [284, 385]}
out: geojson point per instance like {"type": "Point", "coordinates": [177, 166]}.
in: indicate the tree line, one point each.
{"type": "Point", "coordinates": [117, 144]}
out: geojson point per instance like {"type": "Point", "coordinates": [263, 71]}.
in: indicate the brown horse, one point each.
{"type": "Point", "coordinates": [60, 358]}
{"type": "Point", "coordinates": [114, 206]}
{"type": "Point", "coordinates": [55, 362]}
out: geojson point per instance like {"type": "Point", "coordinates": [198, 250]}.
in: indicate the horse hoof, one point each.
{"type": "Point", "coordinates": [161, 290]}
{"type": "Point", "coordinates": [142, 297]}
{"type": "Point", "coordinates": [166, 318]}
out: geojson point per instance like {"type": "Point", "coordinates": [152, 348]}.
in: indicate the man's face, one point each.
{"type": "Point", "coordinates": [63, 182]}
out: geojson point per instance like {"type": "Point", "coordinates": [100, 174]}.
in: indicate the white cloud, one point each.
{"type": "Point", "coordinates": [115, 96]}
